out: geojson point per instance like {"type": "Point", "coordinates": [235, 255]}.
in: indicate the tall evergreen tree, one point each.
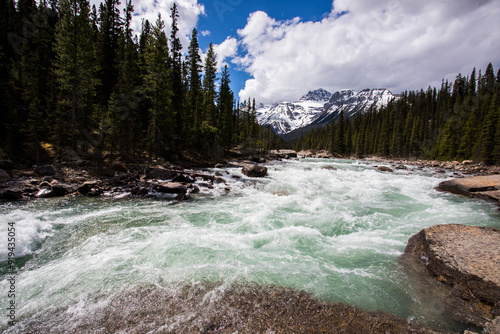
{"type": "Point", "coordinates": [209, 124]}
{"type": "Point", "coordinates": [194, 99]}
{"type": "Point", "coordinates": [176, 72]}
{"type": "Point", "coordinates": [75, 70]}
{"type": "Point", "coordinates": [226, 109]}
{"type": "Point", "coordinates": [158, 90]}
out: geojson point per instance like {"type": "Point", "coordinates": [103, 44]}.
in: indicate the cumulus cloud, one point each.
{"type": "Point", "coordinates": [399, 45]}
{"type": "Point", "coordinates": [189, 12]}
{"type": "Point", "coordinates": [224, 50]}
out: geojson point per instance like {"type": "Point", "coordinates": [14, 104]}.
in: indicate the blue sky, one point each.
{"type": "Point", "coordinates": [279, 50]}
{"type": "Point", "coordinates": [224, 17]}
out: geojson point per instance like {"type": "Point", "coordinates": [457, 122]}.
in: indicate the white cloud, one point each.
{"type": "Point", "coordinates": [205, 33]}
{"type": "Point", "coordinates": [224, 50]}
{"type": "Point", "coordinates": [189, 12]}
{"type": "Point", "coordinates": [399, 45]}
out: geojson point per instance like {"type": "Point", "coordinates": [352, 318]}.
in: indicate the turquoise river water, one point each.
{"type": "Point", "coordinates": [332, 228]}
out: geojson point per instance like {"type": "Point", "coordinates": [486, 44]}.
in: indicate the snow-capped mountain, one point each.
{"type": "Point", "coordinates": [285, 117]}
{"type": "Point", "coordinates": [317, 107]}
{"type": "Point", "coordinates": [353, 103]}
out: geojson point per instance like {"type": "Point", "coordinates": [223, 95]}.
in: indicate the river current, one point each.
{"type": "Point", "coordinates": [332, 228]}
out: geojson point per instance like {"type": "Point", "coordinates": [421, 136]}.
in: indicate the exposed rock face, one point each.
{"type": "Point", "coordinates": [467, 259]}
{"type": "Point", "coordinates": [254, 171]}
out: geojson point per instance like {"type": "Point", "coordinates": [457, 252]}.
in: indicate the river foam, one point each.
{"type": "Point", "coordinates": [332, 228]}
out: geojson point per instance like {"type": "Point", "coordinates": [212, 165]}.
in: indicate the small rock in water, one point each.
{"type": "Point", "coordinates": [385, 169]}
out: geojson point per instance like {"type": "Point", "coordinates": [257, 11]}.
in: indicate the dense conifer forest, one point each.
{"type": "Point", "coordinates": [78, 80]}
{"type": "Point", "coordinates": [457, 122]}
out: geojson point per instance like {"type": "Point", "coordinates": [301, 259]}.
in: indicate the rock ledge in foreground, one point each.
{"type": "Point", "coordinates": [467, 259]}
{"type": "Point", "coordinates": [485, 187]}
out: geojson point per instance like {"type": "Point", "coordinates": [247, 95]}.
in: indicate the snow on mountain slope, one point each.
{"type": "Point", "coordinates": [319, 106]}
{"type": "Point", "coordinates": [354, 103]}
{"type": "Point", "coordinates": [287, 116]}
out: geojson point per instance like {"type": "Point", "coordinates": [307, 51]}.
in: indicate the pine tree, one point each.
{"type": "Point", "coordinates": [176, 73]}
{"type": "Point", "coordinates": [490, 126]}
{"type": "Point", "coordinates": [226, 109]}
{"type": "Point", "coordinates": [75, 70]}
{"type": "Point", "coordinates": [209, 124]}
{"type": "Point", "coordinates": [340, 134]}
{"type": "Point", "coordinates": [157, 90]}
{"type": "Point", "coordinates": [194, 98]}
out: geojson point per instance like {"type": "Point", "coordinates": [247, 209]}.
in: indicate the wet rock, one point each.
{"type": "Point", "coordinates": [467, 260]}
{"type": "Point", "coordinates": [170, 188]}
{"type": "Point", "coordinates": [193, 189]}
{"type": "Point", "coordinates": [85, 188]}
{"type": "Point", "coordinates": [59, 190]}
{"type": "Point", "coordinates": [385, 169]}
{"type": "Point", "coordinates": [95, 192]}
{"type": "Point", "coordinates": [11, 195]}
{"type": "Point", "coordinates": [254, 171]}
{"type": "Point", "coordinates": [471, 186]}
{"type": "Point", "coordinates": [182, 179]}
{"type": "Point", "coordinates": [159, 173]}
{"type": "Point", "coordinates": [44, 193]}
{"type": "Point", "coordinates": [219, 180]}
{"type": "Point", "coordinates": [4, 176]}
{"type": "Point", "coordinates": [209, 308]}
{"type": "Point", "coordinates": [45, 170]}
{"type": "Point", "coordinates": [139, 191]}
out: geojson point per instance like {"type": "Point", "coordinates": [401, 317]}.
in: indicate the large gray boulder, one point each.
{"type": "Point", "coordinates": [484, 187]}
{"type": "Point", "coordinates": [254, 170]}
{"type": "Point", "coordinates": [467, 260]}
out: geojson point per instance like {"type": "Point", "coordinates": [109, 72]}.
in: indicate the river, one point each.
{"type": "Point", "coordinates": [332, 228]}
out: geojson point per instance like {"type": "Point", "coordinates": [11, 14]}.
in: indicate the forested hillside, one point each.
{"type": "Point", "coordinates": [78, 80]}
{"type": "Point", "coordinates": [458, 121]}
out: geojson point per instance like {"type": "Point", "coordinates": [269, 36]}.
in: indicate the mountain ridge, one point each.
{"type": "Point", "coordinates": [318, 106]}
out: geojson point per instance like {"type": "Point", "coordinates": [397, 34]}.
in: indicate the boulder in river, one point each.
{"type": "Point", "coordinates": [170, 188]}
{"type": "Point", "coordinates": [254, 170]}
{"type": "Point", "coordinates": [385, 169]}
{"type": "Point", "coordinates": [467, 260]}
{"type": "Point", "coordinates": [486, 187]}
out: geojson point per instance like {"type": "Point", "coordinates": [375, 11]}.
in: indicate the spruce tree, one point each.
{"type": "Point", "coordinates": [209, 124]}
{"type": "Point", "coordinates": [75, 70]}
{"type": "Point", "coordinates": [176, 73]}
{"type": "Point", "coordinates": [194, 98]}
{"type": "Point", "coordinates": [225, 106]}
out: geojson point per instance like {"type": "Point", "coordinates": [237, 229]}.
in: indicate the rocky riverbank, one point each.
{"type": "Point", "coordinates": [212, 308]}
{"type": "Point", "coordinates": [118, 181]}
{"type": "Point", "coordinates": [466, 262]}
